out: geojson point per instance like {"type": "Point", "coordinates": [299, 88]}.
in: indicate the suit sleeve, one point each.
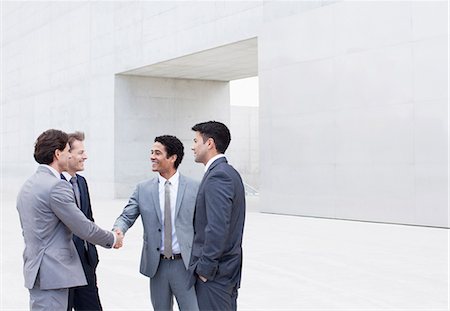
{"type": "Point", "coordinates": [62, 203]}
{"type": "Point", "coordinates": [219, 203]}
{"type": "Point", "coordinates": [129, 214]}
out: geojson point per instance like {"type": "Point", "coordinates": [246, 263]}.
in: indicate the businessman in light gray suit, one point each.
{"type": "Point", "coordinates": [48, 216]}
{"type": "Point", "coordinates": [166, 206]}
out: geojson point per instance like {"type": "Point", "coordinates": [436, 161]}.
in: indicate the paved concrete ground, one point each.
{"type": "Point", "coordinates": [290, 263]}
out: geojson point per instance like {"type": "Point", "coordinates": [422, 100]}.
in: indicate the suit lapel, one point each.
{"type": "Point", "coordinates": [83, 195]}
{"type": "Point", "coordinates": [181, 189]}
{"type": "Point", "coordinates": [155, 196]}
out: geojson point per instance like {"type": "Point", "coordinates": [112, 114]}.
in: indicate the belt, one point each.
{"type": "Point", "coordinates": [173, 257]}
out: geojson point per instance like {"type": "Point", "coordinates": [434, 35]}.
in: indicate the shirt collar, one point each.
{"type": "Point", "coordinates": [67, 176]}
{"type": "Point", "coordinates": [54, 172]}
{"type": "Point", "coordinates": [214, 158]}
{"type": "Point", "coordinates": [173, 180]}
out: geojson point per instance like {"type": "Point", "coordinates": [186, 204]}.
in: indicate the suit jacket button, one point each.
{"type": "Point", "coordinates": [159, 230]}
{"type": "Point", "coordinates": [157, 249]}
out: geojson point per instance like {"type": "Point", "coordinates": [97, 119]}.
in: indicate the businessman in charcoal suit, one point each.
{"type": "Point", "coordinates": [216, 260]}
{"type": "Point", "coordinates": [86, 297]}
{"type": "Point", "coordinates": [166, 206]}
{"type": "Point", "coordinates": [48, 216]}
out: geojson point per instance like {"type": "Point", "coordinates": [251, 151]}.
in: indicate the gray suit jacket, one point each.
{"type": "Point", "coordinates": [219, 225]}
{"type": "Point", "coordinates": [48, 216]}
{"type": "Point", "coordinates": [145, 202]}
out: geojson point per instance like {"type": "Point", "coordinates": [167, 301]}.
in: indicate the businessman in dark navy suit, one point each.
{"type": "Point", "coordinates": [216, 259]}
{"type": "Point", "coordinates": [83, 297]}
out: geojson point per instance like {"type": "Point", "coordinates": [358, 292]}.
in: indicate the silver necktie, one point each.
{"type": "Point", "coordinates": [167, 221]}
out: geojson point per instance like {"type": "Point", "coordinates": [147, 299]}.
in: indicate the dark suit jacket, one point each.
{"type": "Point", "coordinates": [90, 255]}
{"type": "Point", "coordinates": [218, 226]}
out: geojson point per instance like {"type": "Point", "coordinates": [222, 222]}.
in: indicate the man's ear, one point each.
{"type": "Point", "coordinates": [56, 154]}
{"type": "Point", "coordinates": [173, 158]}
{"type": "Point", "coordinates": [211, 143]}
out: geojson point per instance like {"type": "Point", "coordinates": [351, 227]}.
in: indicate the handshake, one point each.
{"type": "Point", "coordinates": [119, 238]}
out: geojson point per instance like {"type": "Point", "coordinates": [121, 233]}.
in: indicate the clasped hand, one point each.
{"type": "Point", "coordinates": [119, 238]}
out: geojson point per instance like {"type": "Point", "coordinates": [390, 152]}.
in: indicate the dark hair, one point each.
{"type": "Point", "coordinates": [47, 143]}
{"type": "Point", "coordinates": [173, 146]}
{"type": "Point", "coordinates": [75, 136]}
{"type": "Point", "coordinates": [217, 131]}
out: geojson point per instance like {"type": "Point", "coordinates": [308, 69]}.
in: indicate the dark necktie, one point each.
{"type": "Point", "coordinates": [76, 190]}
{"type": "Point", "coordinates": [167, 221]}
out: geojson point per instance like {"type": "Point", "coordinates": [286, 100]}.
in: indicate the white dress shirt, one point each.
{"type": "Point", "coordinates": [67, 176]}
{"type": "Point", "coordinates": [174, 181]}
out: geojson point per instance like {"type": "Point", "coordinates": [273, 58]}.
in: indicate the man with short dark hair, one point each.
{"type": "Point", "coordinates": [82, 297]}
{"type": "Point", "coordinates": [48, 216]}
{"type": "Point", "coordinates": [216, 259]}
{"type": "Point", "coordinates": [166, 206]}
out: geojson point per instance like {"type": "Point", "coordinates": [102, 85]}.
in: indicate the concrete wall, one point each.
{"type": "Point", "coordinates": [149, 107]}
{"type": "Point", "coordinates": [243, 152]}
{"type": "Point", "coordinates": [353, 95]}
{"type": "Point", "coordinates": [60, 60]}
{"type": "Point", "coordinates": [354, 116]}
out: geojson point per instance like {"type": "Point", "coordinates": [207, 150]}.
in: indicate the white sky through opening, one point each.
{"type": "Point", "coordinates": [244, 92]}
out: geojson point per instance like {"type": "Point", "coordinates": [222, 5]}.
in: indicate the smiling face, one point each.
{"type": "Point", "coordinates": [160, 162]}
{"type": "Point", "coordinates": [78, 156]}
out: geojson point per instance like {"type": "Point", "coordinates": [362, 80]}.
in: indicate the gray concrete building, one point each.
{"type": "Point", "coordinates": [353, 115]}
